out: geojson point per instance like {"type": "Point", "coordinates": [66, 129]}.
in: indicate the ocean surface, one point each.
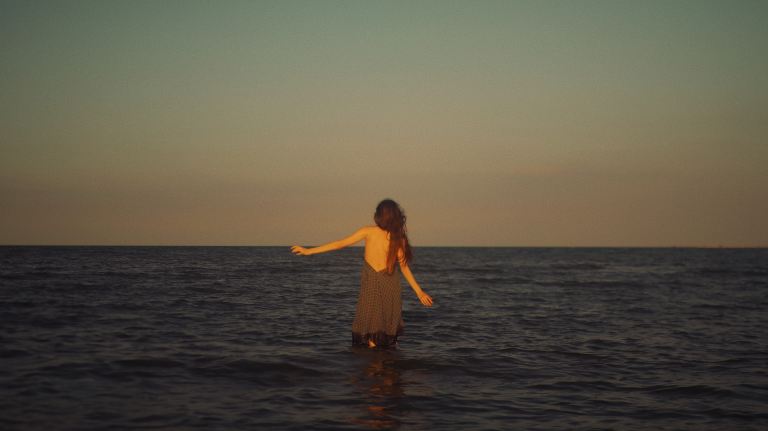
{"type": "Point", "coordinates": [228, 338]}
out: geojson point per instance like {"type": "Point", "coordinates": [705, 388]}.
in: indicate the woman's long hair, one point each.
{"type": "Point", "coordinates": [390, 217]}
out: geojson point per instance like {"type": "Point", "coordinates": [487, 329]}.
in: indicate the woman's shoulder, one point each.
{"type": "Point", "coordinates": [367, 230]}
{"type": "Point", "coordinates": [373, 230]}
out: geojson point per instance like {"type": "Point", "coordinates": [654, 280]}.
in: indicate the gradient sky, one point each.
{"type": "Point", "coordinates": [510, 123]}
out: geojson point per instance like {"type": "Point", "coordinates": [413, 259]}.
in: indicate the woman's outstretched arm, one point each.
{"type": "Point", "coordinates": [358, 236]}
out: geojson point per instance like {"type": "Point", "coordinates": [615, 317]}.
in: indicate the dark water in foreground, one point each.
{"type": "Point", "coordinates": [256, 338]}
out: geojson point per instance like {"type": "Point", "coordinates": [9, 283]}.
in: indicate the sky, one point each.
{"type": "Point", "coordinates": [492, 123]}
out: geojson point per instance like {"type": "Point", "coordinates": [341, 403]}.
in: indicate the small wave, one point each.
{"type": "Point", "coordinates": [269, 374]}
{"type": "Point", "coordinates": [604, 342]}
{"type": "Point", "coordinates": [38, 273]}
{"type": "Point", "coordinates": [149, 363]}
{"type": "Point", "coordinates": [464, 350]}
{"type": "Point", "coordinates": [13, 353]}
{"type": "Point", "coordinates": [252, 366]}
{"type": "Point", "coordinates": [690, 391]}
{"type": "Point", "coordinates": [64, 369]}
{"type": "Point", "coordinates": [640, 310]}
{"type": "Point", "coordinates": [6, 305]}
{"type": "Point", "coordinates": [492, 279]}
{"type": "Point", "coordinates": [577, 385]}
{"type": "Point", "coordinates": [581, 355]}
{"type": "Point", "coordinates": [731, 414]}
{"type": "Point", "coordinates": [748, 272]}
{"type": "Point", "coordinates": [159, 420]}
{"type": "Point", "coordinates": [711, 306]}
{"type": "Point", "coordinates": [477, 270]}
{"type": "Point", "coordinates": [473, 367]}
{"type": "Point", "coordinates": [577, 266]}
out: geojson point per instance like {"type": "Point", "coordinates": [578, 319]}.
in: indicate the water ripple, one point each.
{"type": "Point", "coordinates": [253, 337]}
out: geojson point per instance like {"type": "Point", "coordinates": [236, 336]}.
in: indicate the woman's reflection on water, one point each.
{"type": "Point", "coordinates": [380, 386]}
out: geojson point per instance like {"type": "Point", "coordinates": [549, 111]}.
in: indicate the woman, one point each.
{"type": "Point", "coordinates": [378, 314]}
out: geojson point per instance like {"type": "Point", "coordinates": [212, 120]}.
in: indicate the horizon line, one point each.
{"type": "Point", "coordinates": [718, 246]}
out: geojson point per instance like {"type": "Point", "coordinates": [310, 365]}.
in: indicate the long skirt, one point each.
{"type": "Point", "coordinates": [379, 310]}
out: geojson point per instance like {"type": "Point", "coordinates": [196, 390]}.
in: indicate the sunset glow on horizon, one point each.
{"type": "Point", "coordinates": [493, 123]}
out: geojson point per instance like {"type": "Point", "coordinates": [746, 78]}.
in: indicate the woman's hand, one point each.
{"type": "Point", "coordinates": [299, 250]}
{"type": "Point", "coordinates": [425, 299]}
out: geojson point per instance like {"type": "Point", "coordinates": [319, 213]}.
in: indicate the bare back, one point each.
{"type": "Point", "coordinates": [376, 247]}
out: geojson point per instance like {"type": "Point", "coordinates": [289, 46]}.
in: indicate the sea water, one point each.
{"type": "Point", "coordinates": [257, 338]}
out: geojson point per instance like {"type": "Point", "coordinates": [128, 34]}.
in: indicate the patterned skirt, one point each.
{"type": "Point", "coordinates": [379, 310]}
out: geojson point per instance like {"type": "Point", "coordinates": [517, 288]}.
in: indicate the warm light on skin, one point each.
{"type": "Point", "coordinates": [494, 123]}
{"type": "Point", "coordinates": [376, 243]}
